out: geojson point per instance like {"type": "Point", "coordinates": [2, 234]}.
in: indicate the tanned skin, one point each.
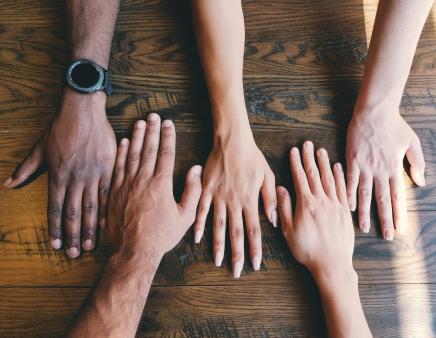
{"type": "Point", "coordinates": [144, 222]}
{"type": "Point", "coordinates": [320, 235]}
{"type": "Point", "coordinates": [378, 137]}
{"type": "Point", "coordinates": [79, 145]}
{"type": "Point", "coordinates": [236, 171]}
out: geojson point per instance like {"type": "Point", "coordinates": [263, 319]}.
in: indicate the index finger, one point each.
{"type": "Point", "coordinates": [298, 174]}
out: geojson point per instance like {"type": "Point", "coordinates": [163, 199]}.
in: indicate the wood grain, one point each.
{"type": "Point", "coordinates": [302, 69]}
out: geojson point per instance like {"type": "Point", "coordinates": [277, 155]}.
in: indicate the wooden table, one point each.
{"type": "Point", "coordinates": [303, 64]}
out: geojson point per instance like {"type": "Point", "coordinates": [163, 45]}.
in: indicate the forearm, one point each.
{"type": "Point", "coordinates": [91, 27]}
{"type": "Point", "coordinates": [117, 303]}
{"type": "Point", "coordinates": [220, 35]}
{"type": "Point", "coordinates": [341, 302]}
{"type": "Point", "coordinates": [395, 36]}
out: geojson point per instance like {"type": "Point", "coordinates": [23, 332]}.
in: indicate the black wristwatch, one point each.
{"type": "Point", "coordinates": [86, 77]}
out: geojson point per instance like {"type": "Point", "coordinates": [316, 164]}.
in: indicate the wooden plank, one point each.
{"type": "Point", "coordinates": [249, 310]}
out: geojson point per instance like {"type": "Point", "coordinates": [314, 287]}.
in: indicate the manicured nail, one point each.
{"type": "Point", "coordinates": [167, 123]}
{"type": "Point", "coordinates": [153, 117]}
{"type": "Point", "coordinates": [8, 181]}
{"type": "Point", "coordinates": [73, 252]}
{"type": "Point", "coordinates": [274, 218]}
{"type": "Point", "coordinates": [256, 263]}
{"type": "Point", "coordinates": [365, 227]}
{"type": "Point", "coordinates": [140, 124]}
{"type": "Point", "coordinates": [421, 181]}
{"type": "Point", "coordinates": [197, 236]}
{"type": "Point", "coordinates": [56, 243]}
{"type": "Point", "coordinates": [389, 234]}
{"type": "Point", "coordinates": [197, 169]}
{"type": "Point", "coordinates": [87, 244]}
{"type": "Point", "coordinates": [218, 258]}
{"type": "Point", "coordinates": [237, 268]}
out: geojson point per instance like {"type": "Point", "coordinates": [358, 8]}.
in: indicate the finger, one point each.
{"type": "Point", "coordinates": [103, 196]}
{"type": "Point", "coordinates": [56, 197]}
{"type": "Point", "coordinates": [237, 241]}
{"type": "Point", "coordinates": [310, 168]}
{"type": "Point", "coordinates": [191, 194]}
{"type": "Point", "coordinates": [151, 146]}
{"type": "Point", "coordinates": [167, 150]}
{"type": "Point", "coordinates": [285, 210]}
{"type": "Point", "coordinates": [219, 231]}
{"type": "Point", "coordinates": [89, 216]}
{"type": "Point", "coordinates": [72, 218]}
{"type": "Point", "coordinates": [298, 174]}
{"type": "Point", "coordinates": [254, 234]}
{"type": "Point", "coordinates": [27, 167]}
{"type": "Point", "coordinates": [353, 173]}
{"type": "Point", "coordinates": [269, 197]}
{"type": "Point", "coordinates": [120, 163]}
{"type": "Point", "coordinates": [398, 197]}
{"type": "Point", "coordinates": [341, 189]}
{"type": "Point", "coordinates": [202, 211]}
{"type": "Point", "coordinates": [384, 206]}
{"type": "Point", "coordinates": [135, 148]}
{"type": "Point", "coordinates": [327, 179]}
{"type": "Point", "coordinates": [365, 194]}
{"type": "Point", "coordinates": [415, 157]}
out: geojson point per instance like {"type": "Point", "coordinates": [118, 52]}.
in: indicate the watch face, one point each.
{"type": "Point", "coordinates": [85, 76]}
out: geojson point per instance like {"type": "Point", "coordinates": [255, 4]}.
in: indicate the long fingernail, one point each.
{"type": "Point", "coordinates": [8, 181]}
{"type": "Point", "coordinates": [237, 268]}
{"type": "Point", "coordinates": [256, 262]}
{"type": "Point", "coordinates": [73, 252]}
{"type": "Point", "coordinates": [365, 227]}
{"type": "Point", "coordinates": [197, 237]}
{"type": "Point", "coordinates": [218, 258]}
{"type": "Point", "coordinates": [88, 244]}
{"type": "Point", "coordinates": [197, 169]}
{"type": "Point", "coordinates": [56, 243]}
{"type": "Point", "coordinates": [389, 234]}
{"type": "Point", "coordinates": [274, 218]}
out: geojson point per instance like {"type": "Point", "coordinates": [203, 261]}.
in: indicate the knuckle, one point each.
{"type": "Point", "coordinates": [150, 150]}
{"type": "Point", "coordinates": [73, 240]}
{"type": "Point", "coordinates": [237, 233]}
{"type": "Point", "coordinates": [90, 206]}
{"type": "Point", "coordinates": [134, 157]}
{"type": "Point", "coordinates": [254, 231]}
{"type": "Point", "coordinates": [54, 210]}
{"type": "Point", "coordinates": [364, 192]}
{"type": "Point", "coordinates": [218, 244]}
{"type": "Point", "coordinates": [383, 199]}
{"type": "Point", "coordinates": [72, 213]}
{"type": "Point", "coordinates": [237, 256]}
{"type": "Point", "coordinates": [104, 189]}
{"type": "Point", "coordinates": [219, 223]}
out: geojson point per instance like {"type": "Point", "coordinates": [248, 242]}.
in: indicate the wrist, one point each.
{"type": "Point", "coordinates": [80, 104]}
{"type": "Point", "coordinates": [370, 108]}
{"type": "Point", "coordinates": [333, 280]}
{"type": "Point", "coordinates": [137, 259]}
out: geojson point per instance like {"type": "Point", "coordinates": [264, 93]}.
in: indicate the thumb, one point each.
{"type": "Point", "coordinates": [191, 194]}
{"type": "Point", "coordinates": [417, 164]}
{"type": "Point", "coordinates": [285, 209]}
{"type": "Point", "coordinates": [26, 168]}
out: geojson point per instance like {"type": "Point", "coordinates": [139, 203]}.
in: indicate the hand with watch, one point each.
{"type": "Point", "coordinates": [78, 148]}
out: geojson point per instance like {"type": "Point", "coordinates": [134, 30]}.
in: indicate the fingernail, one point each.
{"type": "Point", "coordinates": [167, 123]}
{"type": "Point", "coordinates": [153, 117]}
{"type": "Point", "coordinates": [197, 169]}
{"type": "Point", "coordinates": [256, 263]}
{"type": "Point", "coordinates": [351, 206]}
{"type": "Point", "coordinates": [365, 227]}
{"type": "Point", "coordinates": [197, 238]}
{"type": "Point", "coordinates": [87, 244]}
{"type": "Point", "coordinates": [102, 222]}
{"type": "Point", "coordinates": [308, 144]}
{"type": "Point", "coordinates": [274, 218]}
{"type": "Point", "coordinates": [218, 258]}
{"type": "Point", "coordinates": [73, 252]}
{"type": "Point", "coordinates": [389, 234]}
{"type": "Point", "coordinates": [294, 151]}
{"type": "Point", "coordinates": [124, 141]}
{"type": "Point", "coordinates": [56, 243]}
{"type": "Point", "coordinates": [237, 268]}
{"type": "Point", "coordinates": [422, 181]}
{"type": "Point", "coordinates": [8, 181]}
{"type": "Point", "coordinates": [140, 124]}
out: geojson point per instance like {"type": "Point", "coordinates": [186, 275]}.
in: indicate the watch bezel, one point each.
{"type": "Point", "coordinates": [87, 90]}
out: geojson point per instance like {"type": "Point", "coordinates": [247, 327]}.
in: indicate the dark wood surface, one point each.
{"type": "Point", "coordinates": [303, 64]}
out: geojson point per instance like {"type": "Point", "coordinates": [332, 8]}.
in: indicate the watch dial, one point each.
{"type": "Point", "coordinates": [85, 75]}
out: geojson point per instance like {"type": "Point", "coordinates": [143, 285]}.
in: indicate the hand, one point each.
{"type": "Point", "coordinates": [143, 215]}
{"type": "Point", "coordinates": [235, 172]}
{"type": "Point", "coordinates": [376, 145]}
{"type": "Point", "coordinates": [321, 233]}
{"type": "Point", "coordinates": [79, 150]}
